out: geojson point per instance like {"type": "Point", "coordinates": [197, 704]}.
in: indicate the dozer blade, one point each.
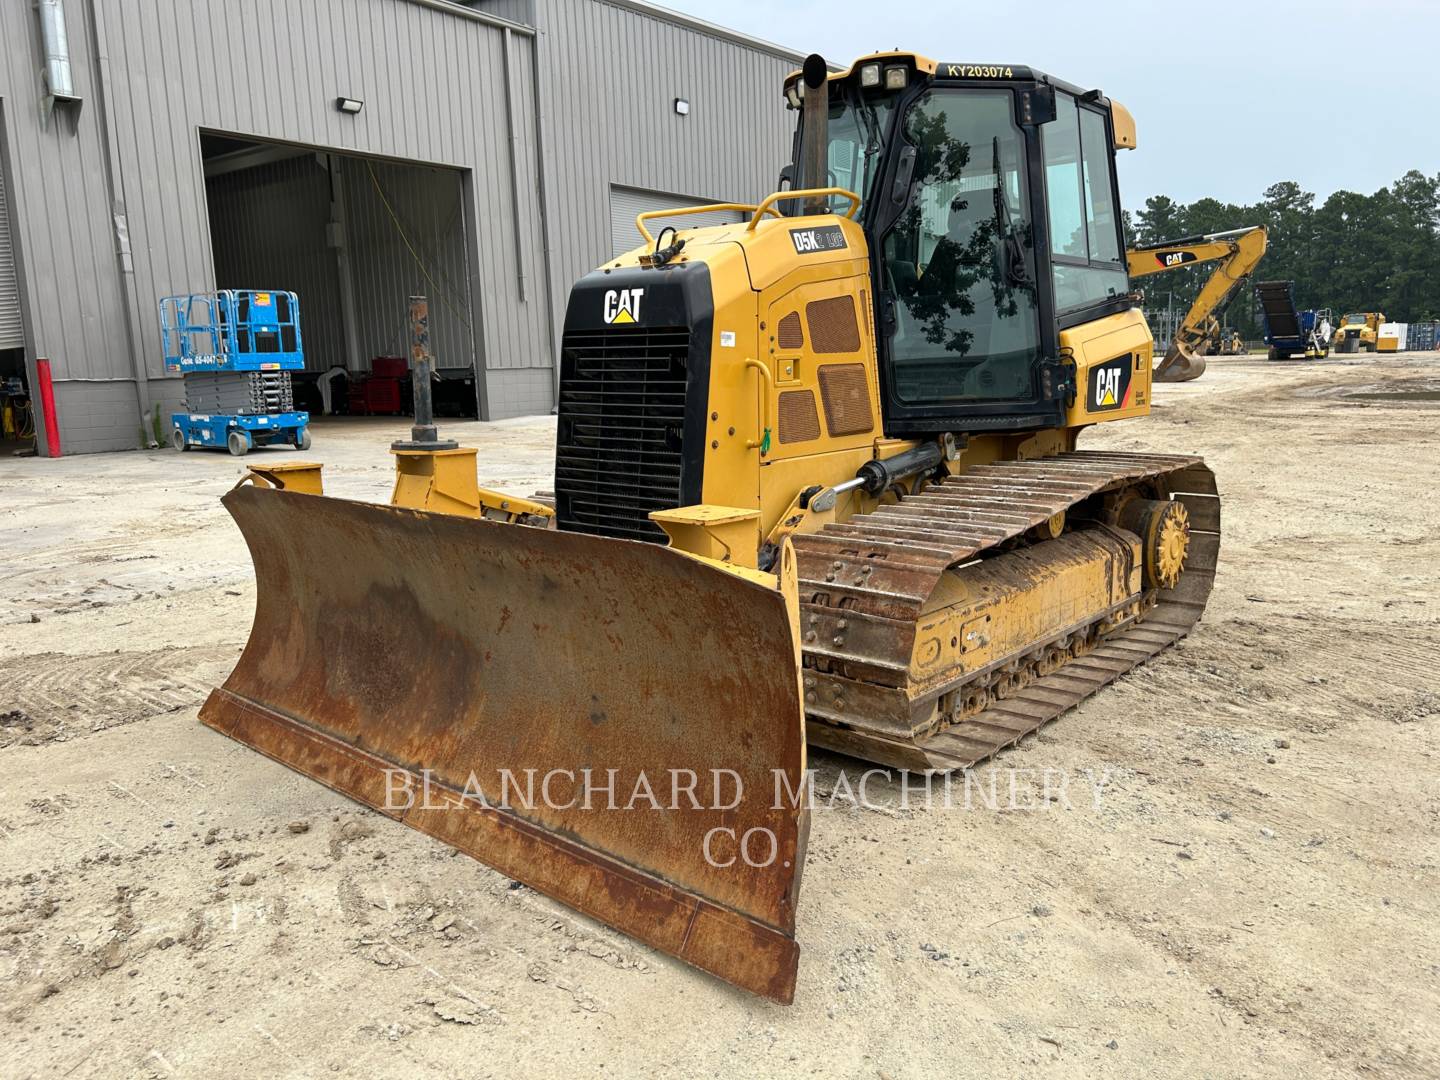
{"type": "Point", "coordinates": [433, 667]}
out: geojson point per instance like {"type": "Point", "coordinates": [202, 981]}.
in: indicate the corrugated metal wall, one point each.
{"type": "Point", "coordinates": [435, 82]}
{"type": "Point", "coordinates": [628, 203]}
{"type": "Point", "coordinates": [64, 229]}
{"type": "Point", "coordinates": [613, 74]}
{"type": "Point", "coordinates": [430, 82]}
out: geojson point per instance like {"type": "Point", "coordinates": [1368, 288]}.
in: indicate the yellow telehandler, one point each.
{"type": "Point", "coordinates": [816, 481]}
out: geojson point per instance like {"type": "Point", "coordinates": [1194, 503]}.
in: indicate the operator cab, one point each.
{"type": "Point", "coordinates": [990, 205]}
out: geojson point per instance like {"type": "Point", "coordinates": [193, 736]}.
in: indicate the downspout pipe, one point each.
{"type": "Point", "coordinates": [547, 269]}
{"type": "Point", "coordinates": [129, 298]}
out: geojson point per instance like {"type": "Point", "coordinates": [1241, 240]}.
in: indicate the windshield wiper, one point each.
{"type": "Point", "coordinates": [1015, 272]}
{"type": "Point", "coordinates": [872, 144]}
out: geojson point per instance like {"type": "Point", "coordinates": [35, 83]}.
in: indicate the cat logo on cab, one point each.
{"type": "Point", "coordinates": [622, 305]}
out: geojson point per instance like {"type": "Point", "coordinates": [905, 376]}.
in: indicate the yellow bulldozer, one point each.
{"type": "Point", "coordinates": [817, 482]}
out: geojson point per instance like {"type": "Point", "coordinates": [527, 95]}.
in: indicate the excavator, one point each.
{"type": "Point", "coordinates": [1238, 252]}
{"type": "Point", "coordinates": [818, 482]}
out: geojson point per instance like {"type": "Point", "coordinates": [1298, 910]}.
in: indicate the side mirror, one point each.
{"type": "Point", "coordinates": [786, 183]}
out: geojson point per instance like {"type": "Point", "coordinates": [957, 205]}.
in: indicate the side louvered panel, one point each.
{"type": "Point", "coordinates": [788, 334]}
{"type": "Point", "coordinates": [799, 422]}
{"type": "Point", "coordinates": [833, 326]}
{"type": "Point", "coordinates": [846, 397]}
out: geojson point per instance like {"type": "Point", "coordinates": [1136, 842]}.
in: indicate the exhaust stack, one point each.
{"type": "Point", "coordinates": [815, 149]}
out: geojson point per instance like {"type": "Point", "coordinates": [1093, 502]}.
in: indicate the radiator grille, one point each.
{"type": "Point", "coordinates": [833, 328]}
{"type": "Point", "coordinates": [799, 422]}
{"type": "Point", "coordinates": [622, 423]}
{"type": "Point", "coordinates": [846, 396]}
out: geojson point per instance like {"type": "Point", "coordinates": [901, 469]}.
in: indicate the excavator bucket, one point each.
{"type": "Point", "coordinates": [612, 723]}
{"type": "Point", "coordinates": [1179, 365]}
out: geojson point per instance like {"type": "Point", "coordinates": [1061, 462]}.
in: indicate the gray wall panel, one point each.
{"type": "Point", "coordinates": [64, 231]}
{"type": "Point", "coordinates": [628, 203]}
{"type": "Point", "coordinates": [406, 61]}
{"type": "Point", "coordinates": [609, 119]}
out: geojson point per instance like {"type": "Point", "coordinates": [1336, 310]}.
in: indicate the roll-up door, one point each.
{"type": "Point", "coordinates": [625, 203]}
{"type": "Point", "coordinates": [12, 332]}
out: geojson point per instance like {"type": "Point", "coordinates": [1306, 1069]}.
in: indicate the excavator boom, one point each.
{"type": "Point", "coordinates": [1237, 252]}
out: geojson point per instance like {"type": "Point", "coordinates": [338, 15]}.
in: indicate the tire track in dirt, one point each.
{"type": "Point", "coordinates": [52, 697]}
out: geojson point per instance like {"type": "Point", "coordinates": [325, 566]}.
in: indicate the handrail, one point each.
{"type": "Point", "coordinates": [768, 388]}
{"type": "Point", "coordinates": [740, 208]}
{"type": "Point", "coordinates": [803, 193]}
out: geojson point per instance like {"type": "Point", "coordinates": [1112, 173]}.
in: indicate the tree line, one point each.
{"type": "Point", "coordinates": [1353, 252]}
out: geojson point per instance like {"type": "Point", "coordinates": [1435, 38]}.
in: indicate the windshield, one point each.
{"type": "Point", "coordinates": [959, 260]}
{"type": "Point", "coordinates": [856, 132]}
{"type": "Point", "coordinates": [1351, 320]}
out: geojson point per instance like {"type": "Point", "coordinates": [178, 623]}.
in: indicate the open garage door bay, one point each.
{"type": "Point", "coordinates": [354, 237]}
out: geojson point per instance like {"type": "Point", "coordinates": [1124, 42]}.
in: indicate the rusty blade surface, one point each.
{"type": "Point", "coordinates": [439, 669]}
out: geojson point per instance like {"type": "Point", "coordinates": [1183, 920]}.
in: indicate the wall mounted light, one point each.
{"type": "Point", "coordinates": [349, 105]}
{"type": "Point", "coordinates": [682, 107]}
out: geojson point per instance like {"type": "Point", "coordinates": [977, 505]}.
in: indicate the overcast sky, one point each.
{"type": "Point", "coordinates": [1228, 96]}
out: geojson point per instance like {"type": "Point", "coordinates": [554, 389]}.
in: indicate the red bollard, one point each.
{"type": "Point", "coordinates": [47, 407]}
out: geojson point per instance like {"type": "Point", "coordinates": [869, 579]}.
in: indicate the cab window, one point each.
{"type": "Point", "coordinates": [958, 263]}
{"type": "Point", "coordinates": [1088, 265]}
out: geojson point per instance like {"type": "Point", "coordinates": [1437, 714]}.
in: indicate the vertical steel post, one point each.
{"type": "Point", "coordinates": [423, 433]}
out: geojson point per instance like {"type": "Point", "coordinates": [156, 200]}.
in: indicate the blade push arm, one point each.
{"type": "Point", "coordinates": [1238, 252]}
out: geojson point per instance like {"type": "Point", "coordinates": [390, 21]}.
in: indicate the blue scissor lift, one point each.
{"type": "Point", "coordinates": [236, 349]}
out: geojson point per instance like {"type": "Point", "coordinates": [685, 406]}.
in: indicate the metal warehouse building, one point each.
{"type": "Point", "coordinates": [485, 154]}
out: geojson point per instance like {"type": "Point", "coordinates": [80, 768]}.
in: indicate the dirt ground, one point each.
{"type": "Point", "coordinates": [1241, 879]}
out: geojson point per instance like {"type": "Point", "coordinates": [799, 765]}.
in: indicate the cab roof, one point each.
{"type": "Point", "coordinates": [965, 72]}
